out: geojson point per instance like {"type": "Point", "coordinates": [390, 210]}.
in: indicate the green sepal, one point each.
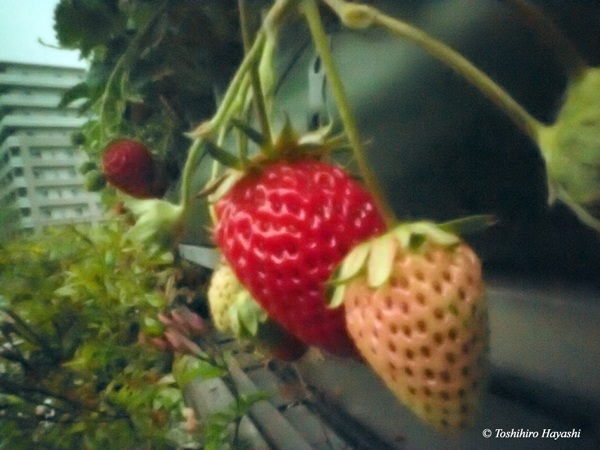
{"type": "Point", "coordinates": [157, 221]}
{"type": "Point", "coordinates": [288, 138]}
{"type": "Point", "coordinates": [222, 155]}
{"type": "Point", "coordinates": [382, 253]}
{"type": "Point", "coordinates": [350, 268]}
{"type": "Point", "coordinates": [469, 225]}
{"type": "Point", "coordinates": [376, 256]}
{"type": "Point", "coordinates": [246, 315]}
{"type": "Point", "coordinates": [252, 134]}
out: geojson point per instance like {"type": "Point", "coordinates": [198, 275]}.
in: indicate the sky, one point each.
{"type": "Point", "coordinates": [22, 24]}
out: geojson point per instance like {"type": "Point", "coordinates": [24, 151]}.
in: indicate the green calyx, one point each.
{"type": "Point", "coordinates": [375, 258]}
{"type": "Point", "coordinates": [157, 221]}
{"type": "Point", "coordinates": [246, 315]}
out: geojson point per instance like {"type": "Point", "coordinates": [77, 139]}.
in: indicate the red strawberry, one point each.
{"type": "Point", "coordinates": [283, 228]}
{"type": "Point", "coordinates": [130, 167]}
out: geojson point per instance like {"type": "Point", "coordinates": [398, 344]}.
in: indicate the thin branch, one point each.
{"type": "Point", "coordinates": [313, 17]}
{"type": "Point", "coordinates": [361, 16]}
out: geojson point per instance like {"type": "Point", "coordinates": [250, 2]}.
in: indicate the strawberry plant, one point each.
{"type": "Point", "coordinates": [283, 211]}
{"type": "Point", "coordinates": [73, 372]}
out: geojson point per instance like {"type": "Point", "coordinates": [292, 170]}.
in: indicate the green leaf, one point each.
{"type": "Point", "coordinates": [78, 91]}
{"type": "Point", "coordinates": [68, 290]}
{"type": "Point", "coordinates": [188, 368]}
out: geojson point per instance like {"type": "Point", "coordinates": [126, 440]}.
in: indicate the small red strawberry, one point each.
{"type": "Point", "coordinates": [415, 308]}
{"type": "Point", "coordinates": [130, 167]}
{"type": "Point", "coordinates": [284, 227]}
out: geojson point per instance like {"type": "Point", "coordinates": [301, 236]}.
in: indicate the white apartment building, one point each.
{"type": "Point", "coordinates": [38, 162]}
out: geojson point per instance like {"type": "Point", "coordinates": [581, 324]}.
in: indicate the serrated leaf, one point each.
{"type": "Point", "coordinates": [381, 259]}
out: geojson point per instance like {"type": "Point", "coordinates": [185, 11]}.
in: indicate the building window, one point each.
{"type": "Point", "coordinates": [35, 153]}
{"type": "Point", "coordinates": [22, 192]}
{"type": "Point", "coordinates": [25, 212]}
{"type": "Point", "coordinates": [18, 171]}
{"type": "Point", "coordinates": [15, 151]}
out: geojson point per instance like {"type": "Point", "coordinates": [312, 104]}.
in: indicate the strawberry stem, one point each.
{"type": "Point", "coordinates": [195, 153]}
{"type": "Point", "coordinates": [360, 16]}
{"type": "Point", "coordinates": [259, 100]}
{"type": "Point", "coordinates": [232, 93]}
{"type": "Point", "coordinates": [313, 18]}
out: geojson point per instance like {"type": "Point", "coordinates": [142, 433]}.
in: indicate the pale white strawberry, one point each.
{"type": "Point", "coordinates": [222, 291]}
{"type": "Point", "coordinates": [234, 311]}
{"type": "Point", "coordinates": [415, 308]}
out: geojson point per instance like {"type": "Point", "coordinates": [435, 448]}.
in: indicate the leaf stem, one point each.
{"type": "Point", "coordinates": [313, 17]}
{"type": "Point", "coordinates": [360, 16]}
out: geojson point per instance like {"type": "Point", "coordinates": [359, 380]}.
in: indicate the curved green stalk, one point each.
{"type": "Point", "coordinates": [311, 12]}
{"type": "Point", "coordinates": [363, 16]}
{"type": "Point", "coordinates": [234, 96]}
{"type": "Point", "coordinates": [194, 155]}
{"type": "Point", "coordinates": [223, 111]}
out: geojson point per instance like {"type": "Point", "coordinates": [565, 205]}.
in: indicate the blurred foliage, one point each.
{"type": "Point", "coordinates": [155, 66]}
{"type": "Point", "coordinates": [73, 373]}
{"type": "Point", "coordinates": [9, 220]}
